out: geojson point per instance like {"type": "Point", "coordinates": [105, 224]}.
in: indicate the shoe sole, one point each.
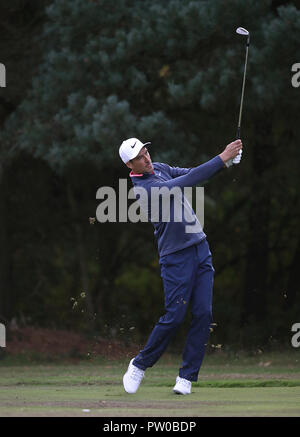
{"type": "Point", "coordinates": [177, 392]}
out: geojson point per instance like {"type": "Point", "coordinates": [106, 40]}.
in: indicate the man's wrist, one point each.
{"type": "Point", "coordinates": [224, 157]}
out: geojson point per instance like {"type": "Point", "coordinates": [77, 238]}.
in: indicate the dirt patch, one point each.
{"type": "Point", "coordinates": [54, 344]}
{"type": "Point", "coordinates": [108, 404]}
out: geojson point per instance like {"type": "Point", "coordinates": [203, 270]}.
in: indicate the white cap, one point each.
{"type": "Point", "coordinates": [130, 148]}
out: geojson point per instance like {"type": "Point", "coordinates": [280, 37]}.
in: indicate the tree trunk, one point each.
{"type": "Point", "coordinates": [81, 256]}
{"type": "Point", "coordinates": [5, 305]}
{"type": "Point", "coordinates": [255, 282]}
{"type": "Point", "coordinates": [257, 252]}
{"type": "Point", "coordinates": [293, 285]}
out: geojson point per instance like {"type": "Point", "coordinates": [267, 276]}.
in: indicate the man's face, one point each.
{"type": "Point", "coordinates": [141, 163]}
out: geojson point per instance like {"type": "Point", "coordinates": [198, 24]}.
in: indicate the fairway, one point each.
{"type": "Point", "coordinates": [150, 401]}
{"type": "Point", "coordinates": [90, 389]}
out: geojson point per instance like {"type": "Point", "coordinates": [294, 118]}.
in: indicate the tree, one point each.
{"type": "Point", "coordinates": [20, 49]}
{"type": "Point", "coordinates": [171, 73]}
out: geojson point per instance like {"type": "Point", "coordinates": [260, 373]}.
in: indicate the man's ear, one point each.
{"type": "Point", "coordinates": [129, 165]}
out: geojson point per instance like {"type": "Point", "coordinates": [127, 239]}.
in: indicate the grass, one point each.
{"type": "Point", "coordinates": [257, 385]}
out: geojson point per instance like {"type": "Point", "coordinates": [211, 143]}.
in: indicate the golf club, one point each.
{"type": "Point", "coordinates": [244, 32]}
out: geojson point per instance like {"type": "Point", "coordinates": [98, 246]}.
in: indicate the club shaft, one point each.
{"type": "Point", "coordinates": [242, 96]}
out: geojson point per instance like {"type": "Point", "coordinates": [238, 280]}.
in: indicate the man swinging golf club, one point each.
{"type": "Point", "coordinates": [185, 261]}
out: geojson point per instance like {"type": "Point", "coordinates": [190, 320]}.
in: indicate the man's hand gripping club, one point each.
{"type": "Point", "coordinates": [232, 150]}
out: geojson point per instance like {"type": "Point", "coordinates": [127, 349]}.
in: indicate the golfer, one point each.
{"type": "Point", "coordinates": [185, 262]}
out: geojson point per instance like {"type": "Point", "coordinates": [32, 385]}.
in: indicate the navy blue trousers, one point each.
{"type": "Point", "coordinates": [188, 279]}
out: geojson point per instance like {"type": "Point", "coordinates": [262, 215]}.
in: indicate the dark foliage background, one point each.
{"type": "Point", "coordinates": [84, 75]}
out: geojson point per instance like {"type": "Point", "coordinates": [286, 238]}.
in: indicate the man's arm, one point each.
{"type": "Point", "coordinates": [196, 175]}
{"type": "Point", "coordinates": [178, 171]}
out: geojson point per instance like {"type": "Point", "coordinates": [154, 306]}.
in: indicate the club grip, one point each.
{"type": "Point", "coordinates": [238, 137]}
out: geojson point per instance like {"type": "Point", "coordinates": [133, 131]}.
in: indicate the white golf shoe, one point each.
{"type": "Point", "coordinates": [182, 386]}
{"type": "Point", "coordinates": [132, 378]}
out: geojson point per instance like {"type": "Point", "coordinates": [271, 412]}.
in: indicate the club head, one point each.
{"type": "Point", "coordinates": [242, 31]}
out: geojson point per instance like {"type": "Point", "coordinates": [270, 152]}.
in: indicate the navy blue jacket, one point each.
{"type": "Point", "coordinates": [171, 235]}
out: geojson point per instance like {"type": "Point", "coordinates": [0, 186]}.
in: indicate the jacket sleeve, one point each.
{"type": "Point", "coordinates": [192, 176]}
{"type": "Point", "coordinates": [178, 171]}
